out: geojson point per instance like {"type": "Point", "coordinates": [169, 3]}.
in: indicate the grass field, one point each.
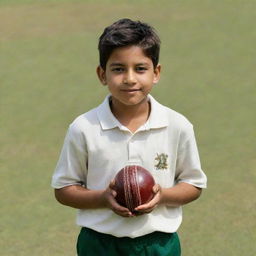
{"type": "Point", "coordinates": [48, 55]}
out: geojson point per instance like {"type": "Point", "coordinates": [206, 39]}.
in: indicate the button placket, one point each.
{"type": "Point", "coordinates": [132, 150]}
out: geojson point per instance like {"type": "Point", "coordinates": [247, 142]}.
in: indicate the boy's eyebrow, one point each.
{"type": "Point", "coordinates": [142, 64]}
{"type": "Point", "coordinates": [120, 64]}
{"type": "Point", "coordinates": [116, 64]}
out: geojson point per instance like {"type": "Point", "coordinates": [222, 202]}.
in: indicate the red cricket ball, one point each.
{"type": "Point", "coordinates": [133, 185]}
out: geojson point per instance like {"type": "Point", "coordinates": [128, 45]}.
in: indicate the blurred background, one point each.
{"type": "Point", "coordinates": [48, 57]}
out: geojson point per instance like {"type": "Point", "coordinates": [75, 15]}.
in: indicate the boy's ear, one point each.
{"type": "Point", "coordinates": [101, 75]}
{"type": "Point", "coordinates": [157, 72]}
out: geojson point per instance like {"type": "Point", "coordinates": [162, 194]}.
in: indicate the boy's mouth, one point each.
{"type": "Point", "coordinates": [131, 90]}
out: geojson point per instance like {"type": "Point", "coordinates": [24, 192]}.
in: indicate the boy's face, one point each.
{"type": "Point", "coordinates": [129, 75]}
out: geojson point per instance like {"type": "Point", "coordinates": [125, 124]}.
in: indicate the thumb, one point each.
{"type": "Point", "coordinates": [112, 184]}
{"type": "Point", "coordinates": [156, 188]}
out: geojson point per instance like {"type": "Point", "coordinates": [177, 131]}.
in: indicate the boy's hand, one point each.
{"type": "Point", "coordinates": [109, 198]}
{"type": "Point", "coordinates": [152, 204]}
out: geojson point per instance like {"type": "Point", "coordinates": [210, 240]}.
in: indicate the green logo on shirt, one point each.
{"type": "Point", "coordinates": [161, 161]}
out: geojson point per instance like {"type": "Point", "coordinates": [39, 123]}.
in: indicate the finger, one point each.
{"type": "Point", "coordinates": [155, 188]}
{"type": "Point", "coordinates": [119, 209]}
{"type": "Point", "coordinates": [124, 212]}
{"type": "Point", "coordinates": [141, 212]}
{"type": "Point", "coordinates": [112, 184]}
{"type": "Point", "coordinates": [113, 193]}
{"type": "Point", "coordinates": [145, 208]}
{"type": "Point", "coordinates": [148, 207]}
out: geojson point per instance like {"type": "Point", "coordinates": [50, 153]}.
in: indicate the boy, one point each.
{"type": "Point", "coordinates": [129, 127]}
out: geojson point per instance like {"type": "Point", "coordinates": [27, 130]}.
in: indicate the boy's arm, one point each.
{"type": "Point", "coordinates": [178, 195]}
{"type": "Point", "coordinates": [79, 197]}
{"type": "Point", "coordinates": [182, 193]}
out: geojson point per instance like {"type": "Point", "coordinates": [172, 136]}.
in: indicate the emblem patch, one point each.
{"type": "Point", "coordinates": [161, 161]}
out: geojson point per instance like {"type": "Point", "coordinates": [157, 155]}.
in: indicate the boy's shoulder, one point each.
{"type": "Point", "coordinates": [92, 117]}
{"type": "Point", "coordinates": [169, 116]}
{"type": "Point", "coordinates": [89, 117]}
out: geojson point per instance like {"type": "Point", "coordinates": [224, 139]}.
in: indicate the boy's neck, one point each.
{"type": "Point", "coordinates": [131, 116]}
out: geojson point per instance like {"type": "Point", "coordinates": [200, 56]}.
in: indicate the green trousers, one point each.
{"type": "Point", "coordinates": [155, 244]}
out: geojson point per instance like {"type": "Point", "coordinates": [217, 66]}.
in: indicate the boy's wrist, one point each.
{"type": "Point", "coordinates": [163, 199]}
{"type": "Point", "coordinates": [95, 199]}
{"type": "Point", "coordinates": [101, 198]}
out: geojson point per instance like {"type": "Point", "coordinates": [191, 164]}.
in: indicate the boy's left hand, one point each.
{"type": "Point", "coordinates": [152, 204]}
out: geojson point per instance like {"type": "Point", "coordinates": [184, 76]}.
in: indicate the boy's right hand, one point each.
{"type": "Point", "coordinates": [110, 202]}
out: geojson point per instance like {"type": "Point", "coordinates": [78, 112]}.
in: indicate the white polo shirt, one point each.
{"type": "Point", "coordinates": [97, 146]}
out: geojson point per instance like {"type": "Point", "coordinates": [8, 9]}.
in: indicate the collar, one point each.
{"type": "Point", "coordinates": [105, 116]}
{"type": "Point", "coordinates": [158, 116]}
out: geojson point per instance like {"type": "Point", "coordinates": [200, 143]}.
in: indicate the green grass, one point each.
{"type": "Point", "coordinates": [47, 78]}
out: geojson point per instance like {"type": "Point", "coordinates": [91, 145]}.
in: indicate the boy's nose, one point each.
{"type": "Point", "coordinates": [130, 78]}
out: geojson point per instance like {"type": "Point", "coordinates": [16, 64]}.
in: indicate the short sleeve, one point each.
{"type": "Point", "coordinates": [188, 168]}
{"type": "Point", "coordinates": [71, 168]}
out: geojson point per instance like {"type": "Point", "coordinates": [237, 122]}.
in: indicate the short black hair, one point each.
{"type": "Point", "coordinates": [126, 32]}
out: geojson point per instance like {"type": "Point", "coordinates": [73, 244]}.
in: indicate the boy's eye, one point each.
{"type": "Point", "coordinates": [117, 69]}
{"type": "Point", "coordinates": [141, 69]}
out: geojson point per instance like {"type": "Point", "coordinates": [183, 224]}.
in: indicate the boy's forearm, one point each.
{"type": "Point", "coordinates": [180, 194]}
{"type": "Point", "coordinates": [79, 197]}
